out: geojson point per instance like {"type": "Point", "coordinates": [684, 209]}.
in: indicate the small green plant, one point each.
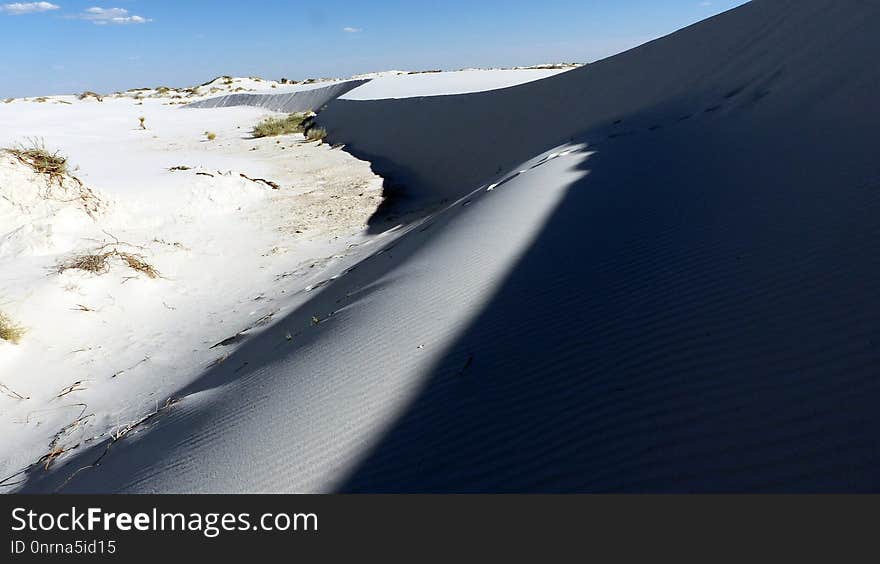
{"type": "Point", "coordinates": [10, 331]}
{"type": "Point", "coordinates": [210, 135]}
{"type": "Point", "coordinates": [271, 127]}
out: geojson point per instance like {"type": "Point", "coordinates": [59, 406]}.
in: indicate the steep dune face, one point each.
{"type": "Point", "coordinates": [681, 299]}
{"type": "Point", "coordinates": [304, 100]}
{"type": "Point", "coordinates": [780, 68]}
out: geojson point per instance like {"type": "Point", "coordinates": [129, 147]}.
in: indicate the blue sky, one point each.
{"type": "Point", "coordinates": [67, 46]}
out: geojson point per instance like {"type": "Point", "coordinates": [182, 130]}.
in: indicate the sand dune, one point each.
{"type": "Point", "coordinates": [654, 273]}
{"type": "Point", "coordinates": [305, 99]}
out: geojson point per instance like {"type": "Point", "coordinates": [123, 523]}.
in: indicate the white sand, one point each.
{"type": "Point", "coordinates": [654, 273]}
{"type": "Point", "coordinates": [445, 83]}
{"type": "Point", "coordinates": [220, 242]}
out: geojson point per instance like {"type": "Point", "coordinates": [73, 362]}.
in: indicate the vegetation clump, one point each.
{"type": "Point", "coordinates": [89, 94]}
{"type": "Point", "coordinates": [98, 262]}
{"type": "Point", "coordinates": [9, 331]}
{"type": "Point", "coordinates": [293, 123]}
{"type": "Point", "coordinates": [54, 167]}
{"type": "Point", "coordinates": [40, 160]}
{"type": "Point", "coordinates": [316, 134]}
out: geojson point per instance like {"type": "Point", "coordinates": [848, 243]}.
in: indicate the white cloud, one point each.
{"type": "Point", "coordinates": [19, 8]}
{"type": "Point", "coordinates": [117, 16]}
{"type": "Point", "coordinates": [352, 29]}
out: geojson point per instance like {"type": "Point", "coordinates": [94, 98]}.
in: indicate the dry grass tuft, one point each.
{"type": "Point", "coordinates": [271, 127]}
{"type": "Point", "coordinates": [55, 168]}
{"type": "Point", "coordinates": [95, 263]}
{"type": "Point", "coordinates": [9, 331]}
{"type": "Point", "coordinates": [210, 135]}
{"type": "Point", "coordinates": [99, 263]}
{"type": "Point", "coordinates": [136, 263]}
{"type": "Point", "coordinates": [41, 161]}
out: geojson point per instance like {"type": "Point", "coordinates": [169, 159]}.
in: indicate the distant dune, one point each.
{"type": "Point", "coordinates": [307, 99]}
{"type": "Point", "coordinates": [654, 273]}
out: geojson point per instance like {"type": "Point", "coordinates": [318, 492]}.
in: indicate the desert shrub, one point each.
{"type": "Point", "coordinates": [90, 94]}
{"type": "Point", "coordinates": [210, 135]}
{"type": "Point", "coordinates": [293, 123]}
{"type": "Point", "coordinates": [9, 331]}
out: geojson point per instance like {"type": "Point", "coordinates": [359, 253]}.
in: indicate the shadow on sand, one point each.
{"type": "Point", "coordinates": [687, 321]}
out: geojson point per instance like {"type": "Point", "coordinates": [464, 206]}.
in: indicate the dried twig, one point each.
{"type": "Point", "coordinates": [12, 393]}
{"type": "Point", "coordinates": [269, 183]}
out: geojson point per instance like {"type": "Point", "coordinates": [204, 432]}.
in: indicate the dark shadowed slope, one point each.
{"type": "Point", "coordinates": [694, 316]}
{"type": "Point", "coordinates": [701, 311]}
{"type": "Point", "coordinates": [689, 304]}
